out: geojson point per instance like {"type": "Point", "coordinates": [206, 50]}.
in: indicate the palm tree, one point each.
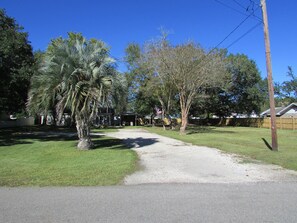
{"type": "Point", "coordinates": [76, 74]}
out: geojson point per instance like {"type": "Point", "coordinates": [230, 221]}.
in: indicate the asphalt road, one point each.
{"type": "Point", "coordinates": [245, 202]}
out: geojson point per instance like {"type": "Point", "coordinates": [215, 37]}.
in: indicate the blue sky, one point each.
{"type": "Point", "coordinates": [206, 22]}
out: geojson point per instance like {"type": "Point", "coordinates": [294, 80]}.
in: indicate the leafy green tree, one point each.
{"type": "Point", "coordinates": [147, 89]}
{"type": "Point", "coordinates": [16, 60]}
{"type": "Point", "coordinates": [135, 76]}
{"type": "Point", "coordinates": [188, 67]}
{"type": "Point", "coordinates": [286, 92]}
{"type": "Point", "coordinates": [76, 74]}
{"type": "Point", "coordinates": [265, 93]}
{"type": "Point", "coordinates": [289, 88]}
{"type": "Point", "coordinates": [245, 90]}
{"type": "Point", "coordinates": [140, 99]}
{"type": "Point", "coordinates": [145, 101]}
{"type": "Point", "coordinates": [214, 101]}
{"type": "Point", "coordinates": [118, 95]}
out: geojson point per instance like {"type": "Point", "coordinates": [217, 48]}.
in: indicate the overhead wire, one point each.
{"type": "Point", "coordinates": [240, 24]}
{"type": "Point", "coordinates": [233, 31]}
{"type": "Point", "coordinates": [246, 33]}
{"type": "Point", "coordinates": [251, 29]}
{"type": "Point", "coordinates": [246, 18]}
{"type": "Point", "coordinates": [242, 6]}
{"type": "Point", "coordinates": [252, 6]}
{"type": "Point", "coordinates": [224, 39]}
{"type": "Point", "coordinates": [230, 7]}
{"type": "Point", "coordinates": [238, 11]}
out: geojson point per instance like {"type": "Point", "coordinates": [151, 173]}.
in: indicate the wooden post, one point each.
{"type": "Point", "coordinates": [269, 78]}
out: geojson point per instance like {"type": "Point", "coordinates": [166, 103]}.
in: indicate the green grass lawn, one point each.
{"type": "Point", "coordinates": [40, 157]}
{"type": "Point", "coordinates": [249, 142]}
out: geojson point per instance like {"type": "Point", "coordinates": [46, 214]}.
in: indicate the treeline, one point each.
{"type": "Point", "coordinates": [161, 78]}
{"type": "Point", "coordinates": [186, 79]}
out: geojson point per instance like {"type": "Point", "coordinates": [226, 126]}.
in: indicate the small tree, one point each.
{"type": "Point", "coordinates": [77, 74]}
{"type": "Point", "coordinates": [188, 67]}
{"type": "Point", "coordinates": [289, 88]}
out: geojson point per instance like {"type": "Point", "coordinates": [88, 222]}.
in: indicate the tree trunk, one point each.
{"type": "Point", "coordinates": [83, 132]}
{"type": "Point", "coordinates": [184, 122]}
{"type": "Point", "coordinates": [185, 104]}
{"type": "Point", "coordinates": [163, 119]}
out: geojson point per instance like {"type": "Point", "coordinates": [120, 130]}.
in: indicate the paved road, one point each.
{"type": "Point", "coordinates": [246, 202]}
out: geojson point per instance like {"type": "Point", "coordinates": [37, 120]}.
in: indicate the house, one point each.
{"type": "Point", "coordinates": [285, 112]}
{"type": "Point", "coordinates": [105, 117]}
{"type": "Point", "coordinates": [129, 118]}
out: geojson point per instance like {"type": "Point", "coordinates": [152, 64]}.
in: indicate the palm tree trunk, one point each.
{"type": "Point", "coordinates": [83, 132]}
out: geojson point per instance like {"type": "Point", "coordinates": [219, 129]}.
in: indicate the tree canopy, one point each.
{"type": "Point", "coordinates": [76, 74]}
{"type": "Point", "coordinates": [16, 60]}
{"type": "Point", "coordinates": [245, 90]}
{"type": "Point", "coordinates": [180, 73]}
{"type": "Point", "coordinates": [289, 88]}
{"type": "Point", "coordinates": [243, 93]}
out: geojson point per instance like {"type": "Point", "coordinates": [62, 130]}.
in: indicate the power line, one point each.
{"type": "Point", "coordinates": [222, 3]}
{"type": "Point", "coordinates": [243, 21]}
{"type": "Point", "coordinates": [242, 6]}
{"type": "Point", "coordinates": [238, 11]}
{"type": "Point", "coordinates": [214, 48]}
{"type": "Point", "coordinates": [252, 8]}
{"type": "Point", "coordinates": [205, 57]}
{"type": "Point", "coordinates": [246, 33]}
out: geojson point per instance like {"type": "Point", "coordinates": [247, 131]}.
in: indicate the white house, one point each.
{"type": "Point", "coordinates": [285, 112]}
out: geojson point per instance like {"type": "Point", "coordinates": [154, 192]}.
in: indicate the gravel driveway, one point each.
{"type": "Point", "coordinates": [166, 160]}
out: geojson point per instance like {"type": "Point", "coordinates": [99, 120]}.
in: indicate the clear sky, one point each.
{"type": "Point", "coordinates": [206, 22]}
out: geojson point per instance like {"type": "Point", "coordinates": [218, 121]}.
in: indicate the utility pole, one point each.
{"type": "Point", "coordinates": [269, 78]}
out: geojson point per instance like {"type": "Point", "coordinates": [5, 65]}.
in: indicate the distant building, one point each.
{"type": "Point", "coordinates": [285, 112]}
{"type": "Point", "coordinates": [129, 119]}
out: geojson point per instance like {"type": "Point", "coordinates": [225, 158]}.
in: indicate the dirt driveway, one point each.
{"type": "Point", "coordinates": [166, 160]}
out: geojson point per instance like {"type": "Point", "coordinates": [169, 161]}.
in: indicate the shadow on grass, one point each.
{"type": "Point", "coordinates": [25, 135]}
{"type": "Point", "coordinates": [267, 144]}
{"type": "Point", "coordinates": [108, 143]}
{"type": "Point", "coordinates": [206, 129]}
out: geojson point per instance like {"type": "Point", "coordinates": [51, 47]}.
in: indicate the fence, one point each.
{"type": "Point", "coordinates": [281, 123]}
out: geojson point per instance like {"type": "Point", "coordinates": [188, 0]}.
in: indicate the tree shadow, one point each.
{"type": "Point", "coordinates": [267, 144]}
{"type": "Point", "coordinates": [139, 142]}
{"type": "Point", "coordinates": [26, 135]}
{"type": "Point", "coordinates": [108, 143]}
{"type": "Point", "coordinates": [205, 129]}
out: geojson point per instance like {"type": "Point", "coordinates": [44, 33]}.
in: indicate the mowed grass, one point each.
{"type": "Point", "coordinates": [248, 142]}
{"type": "Point", "coordinates": [48, 157]}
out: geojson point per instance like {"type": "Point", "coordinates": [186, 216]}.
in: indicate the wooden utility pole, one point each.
{"type": "Point", "coordinates": [269, 77]}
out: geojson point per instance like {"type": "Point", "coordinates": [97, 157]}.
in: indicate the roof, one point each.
{"type": "Point", "coordinates": [129, 114]}
{"type": "Point", "coordinates": [279, 111]}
